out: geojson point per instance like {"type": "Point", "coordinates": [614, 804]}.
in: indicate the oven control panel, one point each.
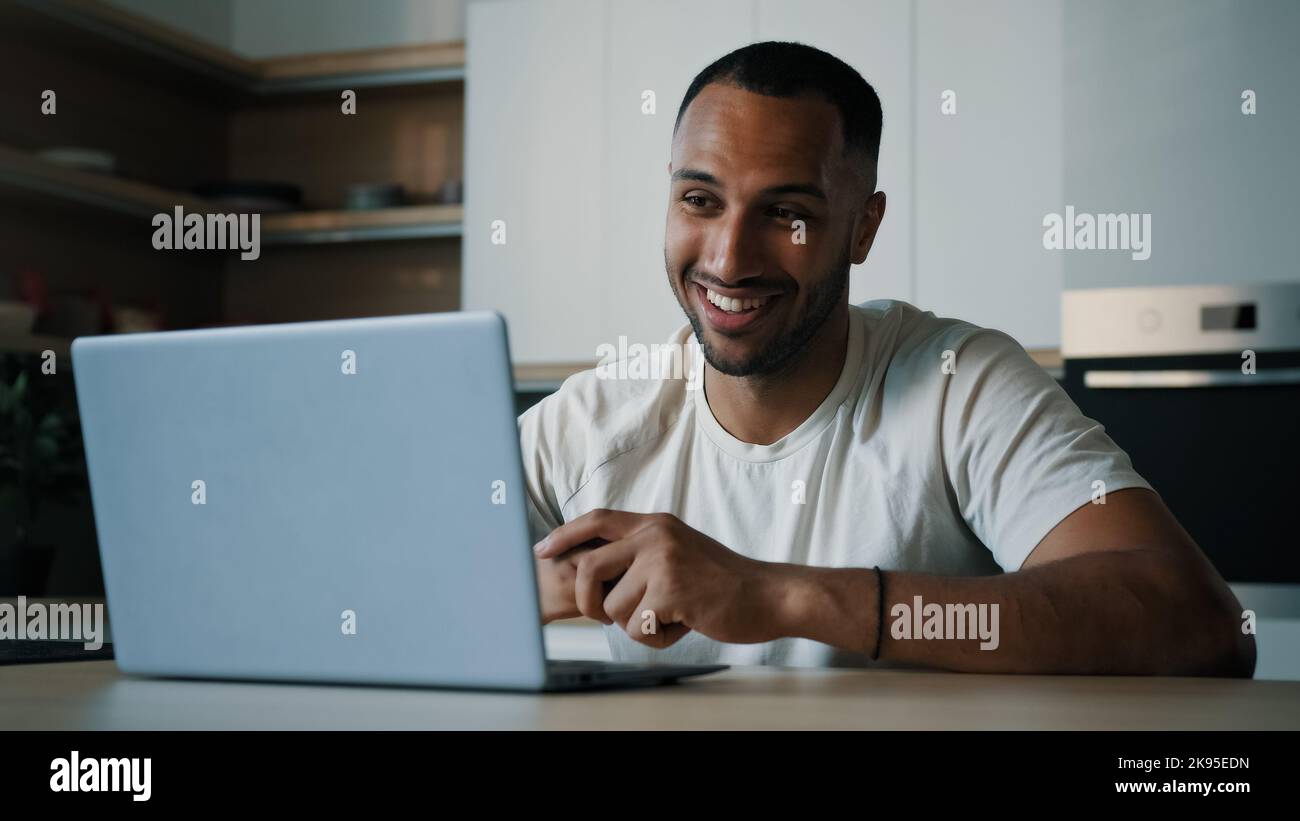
{"type": "Point", "coordinates": [1107, 322]}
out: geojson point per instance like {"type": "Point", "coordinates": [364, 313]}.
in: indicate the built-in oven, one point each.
{"type": "Point", "coordinates": [1201, 386]}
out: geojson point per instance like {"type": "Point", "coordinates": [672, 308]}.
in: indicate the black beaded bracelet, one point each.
{"type": "Point", "coordinates": [880, 617]}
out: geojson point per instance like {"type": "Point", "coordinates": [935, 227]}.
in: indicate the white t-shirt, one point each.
{"type": "Point", "coordinates": [902, 466]}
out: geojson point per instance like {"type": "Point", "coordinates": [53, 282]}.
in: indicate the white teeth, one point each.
{"type": "Point", "coordinates": [734, 306]}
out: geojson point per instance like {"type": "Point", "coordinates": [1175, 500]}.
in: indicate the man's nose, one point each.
{"type": "Point", "coordinates": [734, 250]}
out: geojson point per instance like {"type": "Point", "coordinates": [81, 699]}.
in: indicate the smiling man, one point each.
{"type": "Point", "coordinates": [850, 482]}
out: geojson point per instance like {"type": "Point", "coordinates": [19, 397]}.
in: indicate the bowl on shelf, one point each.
{"type": "Point", "coordinates": [368, 196]}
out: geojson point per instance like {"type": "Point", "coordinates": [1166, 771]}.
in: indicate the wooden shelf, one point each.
{"type": "Point", "coordinates": [26, 171]}
{"type": "Point", "coordinates": [408, 222]}
{"type": "Point", "coordinates": [396, 66]}
{"type": "Point", "coordinates": [29, 172]}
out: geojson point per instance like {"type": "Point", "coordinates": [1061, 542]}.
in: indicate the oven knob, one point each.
{"type": "Point", "coordinates": [1149, 320]}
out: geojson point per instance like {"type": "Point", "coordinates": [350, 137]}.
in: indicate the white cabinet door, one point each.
{"type": "Point", "coordinates": [559, 148]}
{"type": "Point", "coordinates": [876, 39]}
{"type": "Point", "coordinates": [534, 126]}
{"type": "Point", "coordinates": [657, 47]}
{"type": "Point", "coordinates": [1156, 126]}
{"type": "Point", "coordinates": [988, 174]}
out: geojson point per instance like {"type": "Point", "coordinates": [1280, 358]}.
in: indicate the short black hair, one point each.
{"type": "Point", "coordinates": [784, 69]}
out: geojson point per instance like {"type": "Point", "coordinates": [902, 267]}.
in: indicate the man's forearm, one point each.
{"type": "Point", "coordinates": [1131, 612]}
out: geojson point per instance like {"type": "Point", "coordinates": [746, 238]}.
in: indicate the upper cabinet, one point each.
{"type": "Point", "coordinates": [989, 153]}
{"type": "Point", "coordinates": [568, 136]}
{"type": "Point", "coordinates": [1201, 110]}
{"type": "Point", "coordinates": [651, 57]}
{"type": "Point", "coordinates": [534, 142]}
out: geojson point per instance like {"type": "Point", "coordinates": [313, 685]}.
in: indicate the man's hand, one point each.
{"type": "Point", "coordinates": [555, 579]}
{"type": "Point", "coordinates": [665, 576]}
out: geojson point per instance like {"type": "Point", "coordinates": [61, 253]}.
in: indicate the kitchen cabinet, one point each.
{"type": "Point", "coordinates": [636, 300]}
{"type": "Point", "coordinates": [579, 179]}
{"type": "Point", "coordinates": [534, 216]}
{"type": "Point", "coordinates": [1173, 138]}
{"type": "Point", "coordinates": [986, 175]}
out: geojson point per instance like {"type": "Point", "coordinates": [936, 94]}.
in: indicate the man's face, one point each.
{"type": "Point", "coordinates": [744, 169]}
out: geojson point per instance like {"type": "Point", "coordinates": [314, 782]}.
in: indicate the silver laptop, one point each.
{"type": "Point", "coordinates": [337, 501]}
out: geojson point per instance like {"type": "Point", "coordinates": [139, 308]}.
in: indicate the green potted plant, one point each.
{"type": "Point", "coordinates": [40, 463]}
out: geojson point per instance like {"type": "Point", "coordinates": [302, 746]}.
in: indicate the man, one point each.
{"type": "Point", "coordinates": [744, 521]}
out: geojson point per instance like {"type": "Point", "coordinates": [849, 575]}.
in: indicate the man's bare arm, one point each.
{"type": "Point", "coordinates": [1118, 588]}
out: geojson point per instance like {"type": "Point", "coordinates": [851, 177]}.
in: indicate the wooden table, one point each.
{"type": "Point", "coordinates": [94, 695]}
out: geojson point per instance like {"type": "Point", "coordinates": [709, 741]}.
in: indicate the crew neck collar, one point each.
{"type": "Point", "coordinates": [809, 428]}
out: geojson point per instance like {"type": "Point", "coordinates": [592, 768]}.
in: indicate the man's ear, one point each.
{"type": "Point", "coordinates": [868, 224]}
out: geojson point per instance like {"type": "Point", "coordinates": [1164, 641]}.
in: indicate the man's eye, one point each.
{"type": "Point", "coordinates": [787, 214]}
{"type": "Point", "coordinates": [696, 200]}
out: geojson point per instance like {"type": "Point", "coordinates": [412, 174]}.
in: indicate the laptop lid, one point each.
{"type": "Point", "coordinates": [318, 501]}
